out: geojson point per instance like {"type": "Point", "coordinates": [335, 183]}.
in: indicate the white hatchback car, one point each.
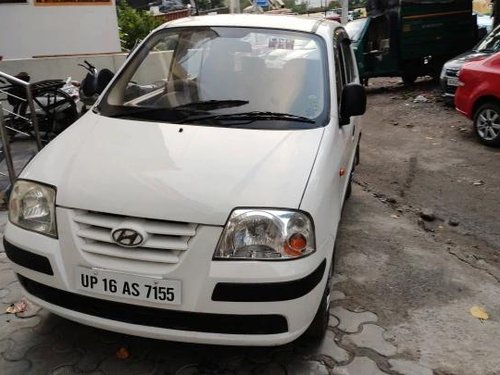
{"type": "Point", "coordinates": [199, 200]}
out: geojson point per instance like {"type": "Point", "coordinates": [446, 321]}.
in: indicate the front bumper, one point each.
{"type": "Point", "coordinates": [448, 90]}
{"type": "Point", "coordinates": [449, 72]}
{"type": "Point", "coordinates": [278, 300]}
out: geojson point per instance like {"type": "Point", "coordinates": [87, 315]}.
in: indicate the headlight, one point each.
{"type": "Point", "coordinates": [260, 234]}
{"type": "Point", "coordinates": [32, 207]}
{"type": "Point", "coordinates": [443, 73]}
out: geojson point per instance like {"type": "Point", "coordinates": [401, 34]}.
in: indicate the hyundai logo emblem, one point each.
{"type": "Point", "coordinates": [127, 237]}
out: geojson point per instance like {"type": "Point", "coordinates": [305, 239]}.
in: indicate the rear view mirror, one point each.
{"type": "Point", "coordinates": [353, 102]}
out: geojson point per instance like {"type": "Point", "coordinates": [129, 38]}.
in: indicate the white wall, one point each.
{"type": "Point", "coordinates": [27, 30]}
{"type": "Point", "coordinates": [61, 67]}
{"type": "Point", "coordinates": [153, 68]}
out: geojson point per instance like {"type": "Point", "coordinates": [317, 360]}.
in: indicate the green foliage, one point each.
{"type": "Point", "coordinates": [334, 4]}
{"type": "Point", "coordinates": [210, 4]}
{"type": "Point", "coordinates": [297, 8]}
{"type": "Point", "coordinates": [134, 25]}
{"type": "Point", "coordinates": [244, 4]}
{"type": "Point", "coordinates": [353, 4]}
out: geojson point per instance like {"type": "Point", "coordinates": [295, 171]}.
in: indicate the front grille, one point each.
{"type": "Point", "coordinates": [165, 240]}
{"type": "Point", "coordinates": [452, 72]}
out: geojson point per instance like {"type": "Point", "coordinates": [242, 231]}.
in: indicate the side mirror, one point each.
{"type": "Point", "coordinates": [353, 102]}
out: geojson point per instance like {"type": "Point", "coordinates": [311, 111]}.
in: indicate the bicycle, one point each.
{"type": "Point", "coordinates": [54, 108]}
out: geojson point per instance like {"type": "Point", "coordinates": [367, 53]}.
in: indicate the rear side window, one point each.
{"type": "Point", "coordinates": [340, 75]}
{"type": "Point", "coordinates": [344, 62]}
{"type": "Point", "coordinates": [350, 72]}
{"type": "Point", "coordinates": [343, 46]}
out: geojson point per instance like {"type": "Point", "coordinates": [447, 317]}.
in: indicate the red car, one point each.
{"type": "Point", "coordinates": [334, 17]}
{"type": "Point", "coordinates": [478, 97]}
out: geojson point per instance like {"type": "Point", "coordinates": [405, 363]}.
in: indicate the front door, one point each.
{"type": "Point", "coordinates": [346, 73]}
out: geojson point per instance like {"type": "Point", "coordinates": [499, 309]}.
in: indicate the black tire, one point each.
{"type": "Point", "coordinates": [487, 124]}
{"type": "Point", "coordinates": [435, 72]}
{"type": "Point", "coordinates": [54, 116]}
{"type": "Point", "coordinates": [18, 124]}
{"type": "Point", "coordinates": [319, 325]}
{"type": "Point", "coordinates": [64, 114]}
{"type": "Point", "coordinates": [409, 78]}
{"type": "Point", "coordinates": [348, 192]}
{"type": "Point", "coordinates": [435, 78]}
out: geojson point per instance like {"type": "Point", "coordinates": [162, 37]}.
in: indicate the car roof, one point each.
{"type": "Point", "coordinates": [294, 23]}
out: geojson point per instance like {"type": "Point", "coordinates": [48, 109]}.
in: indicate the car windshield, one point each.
{"type": "Point", "coordinates": [354, 28]}
{"type": "Point", "coordinates": [228, 74]}
{"type": "Point", "coordinates": [490, 43]}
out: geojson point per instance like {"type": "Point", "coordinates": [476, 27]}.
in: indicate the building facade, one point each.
{"type": "Point", "coordinates": [38, 28]}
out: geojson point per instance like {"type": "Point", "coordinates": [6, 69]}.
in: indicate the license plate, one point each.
{"type": "Point", "coordinates": [452, 81]}
{"type": "Point", "coordinates": [128, 286]}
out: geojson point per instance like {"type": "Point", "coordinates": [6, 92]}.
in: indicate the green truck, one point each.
{"type": "Point", "coordinates": [411, 38]}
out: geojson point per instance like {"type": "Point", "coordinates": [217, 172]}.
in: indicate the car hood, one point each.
{"type": "Point", "coordinates": [172, 172]}
{"type": "Point", "coordinates": [466, 57]}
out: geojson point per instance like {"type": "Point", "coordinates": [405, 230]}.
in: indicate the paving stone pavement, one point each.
{"type": "Point", "coordinates": [337, 295]}
{"type": "Point", "coordinates": [360, 365]}
{"type": "Point", "coordinates": [371, 337]}
{"type": "Point", "coordinates": [47, 344]}
{"type": "Point", "coordinates": [406, 367]}
{"type": "Point", "coordinates": [38, 342]}
{"type": "Point", "coordinates": [350, 321]}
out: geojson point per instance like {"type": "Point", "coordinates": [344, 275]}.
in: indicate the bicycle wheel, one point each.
{"type": "Point", "coordinates": [55, 111]}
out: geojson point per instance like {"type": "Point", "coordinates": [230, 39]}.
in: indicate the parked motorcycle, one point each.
{"type": "Point", "coordinates": [93, 84]}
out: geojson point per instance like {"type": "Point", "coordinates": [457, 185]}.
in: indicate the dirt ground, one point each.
{"type": "Point", "coordinates": [426, 155]}
{"type": "Point", "coordinates": [422, 277]}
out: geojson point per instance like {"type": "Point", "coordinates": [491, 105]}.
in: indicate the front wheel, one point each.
{"type": "Point", "coordinates": [348, 192]}
{"type": "Point", "coordinates": [55, 111]}
{"type": "Point", "coordinates": [319, 325]}
{"type": "Point", "coordinates": [409, 78]}
{"type": "Point", "coordinates": [487, 124]}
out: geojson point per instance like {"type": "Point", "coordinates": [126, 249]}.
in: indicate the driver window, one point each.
{"type": "Point", "coordinates": [339, 74]}
{"type": "Point", "coordinates": [156, 65]}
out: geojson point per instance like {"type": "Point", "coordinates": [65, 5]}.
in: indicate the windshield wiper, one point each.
{"type": "Point", "coordinates": [188, 109]}
{"type": "Point", "coordinates": [156, 113]}
{"type": "Point", "coordinates": [252, 116]}
{"type": "Point", "coordinates": [208, 105]}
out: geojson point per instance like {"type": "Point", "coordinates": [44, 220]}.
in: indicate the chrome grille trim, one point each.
{"type": "Point", "coordinates": [165, 241]}
{"type": "Point", "coordinates": [168, 228]}
{"type": "Point", "coordinates": [131, 254]}
{"type": "Point", "coordinates": [154, 242]}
